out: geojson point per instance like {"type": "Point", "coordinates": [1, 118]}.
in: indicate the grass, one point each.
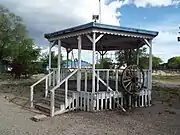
{"type": "Point", "coordinates": [175, 79]}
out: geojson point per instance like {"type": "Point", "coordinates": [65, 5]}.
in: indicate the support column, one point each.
{"type": "Point", "coordinates": [138, 55]}
{"type": "Point", "coordinates": [50, 46]}
{"type": "Point", "coordinates": [150, 66]}
{"type": "Point", "coordinates": [79, 64]}
{"type": "Point", "coordinates": [59, 62]}
{"type": "Point", "coordinates": [102, 53]}
{"type": "Point", "coordinates": [93, 62]}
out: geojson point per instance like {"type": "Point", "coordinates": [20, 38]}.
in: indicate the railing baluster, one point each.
{"type": "Point", "coordinates": [117, 80]}
{"type": "Point", "coordinates": [53, 78]}
{"type": "Point", "coordinates": [31, 97]}
{"type": "Point", "coordinates": [46, 87]}
{"type": "Point", "coordinates": [66, 91]}
{"type": "Point", "coordinates": [85, 81]}
{"type": "Point", "coordinates": [97, 81]}
{"type": "Point", "coordinates": [107, 79]}
{"type": "Point", "coordinates": [52, 104]}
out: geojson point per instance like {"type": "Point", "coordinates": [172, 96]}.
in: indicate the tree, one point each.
{"type": "Point", "coordinates": [129, 56]}
{"type": "Point", "coordinates": [174, 62]}
{"type": "Point", "coordinates": [106, 62]}
{"type": "Point", "coordinates": [15, 43]}
{"type": "Point", "coordinates": [156, 61]}
{"type": "Point", "coordinates": [54, 59]}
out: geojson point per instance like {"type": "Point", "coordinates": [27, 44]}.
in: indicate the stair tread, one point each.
{"type": "Point", "coordinates": [56, 101]}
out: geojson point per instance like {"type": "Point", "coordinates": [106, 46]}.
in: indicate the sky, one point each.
{"type": "Point", "coordinates": [45, 16]}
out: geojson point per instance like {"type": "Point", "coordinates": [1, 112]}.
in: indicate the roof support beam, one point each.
{"type": "Point", "coordinates": [147, 42]}
{"type": "Point", "coordinates": [96, 39]}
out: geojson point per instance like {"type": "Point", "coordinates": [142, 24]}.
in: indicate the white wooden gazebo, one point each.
{"type": "Point", "coordinates": [94, 90]}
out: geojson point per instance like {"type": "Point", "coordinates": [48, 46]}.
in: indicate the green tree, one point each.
{"type": "Point", "coordinates": [174, 62]}
{"type": "Point", "coordinates": [15, 43]}
{"type": "Point", "coordinates": [156, 61]}
{"type": "Point", "coordinates": [54, 59]}
{"type": "Point", "coordinates": [106, 62]}
{"type": "Point", "coordinates": [129, 56]}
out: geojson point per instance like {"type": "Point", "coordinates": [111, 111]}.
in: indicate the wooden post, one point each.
{"type": "Point", "coordinates": [138, 55]}
{"type": "Point", "coordinates": [93, 62]}
{"type": "Point", "coordinates": [50, 46]}
{"type": "Point", "coordinates": [52, 104]}
{"type": "Point", "coordinates": [150, 68]}
{"type": "Point", "coordinates": [31, 97]}
{"type": "Point", "coordinates": [79, 64]}
{"type": "Point", "coordinates": [59, 61]}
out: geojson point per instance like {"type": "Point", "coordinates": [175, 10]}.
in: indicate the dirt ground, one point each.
{"type": "Point", "coordinates": [160, 119]}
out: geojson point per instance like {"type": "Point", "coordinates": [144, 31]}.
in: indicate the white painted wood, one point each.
{"type": "Point", "coordinates": [88, 98]}
{"type": "Point", "coordinates": [46, 87]}
{"type": "Point", "coordinates": [106, 100]}
{"type": "Point", "coordinates": [150, 66]}
{"type": "Point", "coordinates": [79, 64]}
{"type": "Point", "coordinates": [118, 97]}
{"type": "Point", "coordinates": [98, 38]}
{"type": "Point", "coordinates": [122, 98]}
{"type": "Point", "coordinates": [102, 105]}
{"type": "Point", "coordinates": [130, 100]}
{"type": "Point", "coordinates": [54, 76]}
{"type": "Point", "coordinates": [73, 98]}
{"type": "Point", "coordinates": [59, 61]}
{"type": "Point", "coordinates": [104, 83]}
{"type": "Point", "coordinates": [66, 93]}
{"type": "Point", "coordinates": [110, 101]}
{"type": "Point", "coordinates": [93, 63]}
{"type": "Point", "coordinates": [97, 102]}
{"type": "Point", "coordinates": [107, 79]}
{"type": "Point", "coordinates": [114, 100]}
{"type": "Point", "coordinates": [84, 107]}
{"type": "Point", "coordinates": [89, 37]}
{"type": "Point", "coordinates": [97, 81]}
{"type": "Point", "coordinates": [142, 98]}
{"type": "Point", "coordinates": [31, 97]}
{"type": "Point", "coordinates": [102, 31]}
{"type": "Point", "coordinates": [150, 98]}
{"type": "Point", "coordinates": [77, 100]}
{"type": "Point", "coordinates": [50, 63]}
{"type": "Point", "coordinates": [117, 80]}
{"type": "Point", "coordinates": [52, 104]}
{"type": "Point", "coordinates": [85, 81]}
{"type": "Point", "coordinates": [92, 102]}
{"type": "Point", "coordinates": [81, 100]}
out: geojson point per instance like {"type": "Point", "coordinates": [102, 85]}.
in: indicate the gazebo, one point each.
{"type": "Point", "coordinates": [95, 89]}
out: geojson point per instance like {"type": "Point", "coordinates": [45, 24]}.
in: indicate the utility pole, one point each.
{"type": "Point", "coordinates": [99, 11]}
{"type": "Point", "coordinates": [178, 38]}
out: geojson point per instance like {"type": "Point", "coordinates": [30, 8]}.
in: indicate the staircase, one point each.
{"type": "Point", "coordinates": [44, 103]}
{"type": "Point", "coordinates": [56, 99]}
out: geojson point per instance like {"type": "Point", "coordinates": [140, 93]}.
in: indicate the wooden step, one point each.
{"type": "Point", "coordinates": [59, 97]}
{"type": "Point", "coordinates": [47, 101]}
{"type": "Point", "coordinates": [44, 108]}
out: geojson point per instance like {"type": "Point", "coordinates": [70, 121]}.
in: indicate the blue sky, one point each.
{"type": "Point", "coordinates": [44, 16]}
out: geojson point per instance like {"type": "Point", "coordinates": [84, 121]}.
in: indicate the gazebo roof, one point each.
{"type": "Point", "coordinates": [115, 37]}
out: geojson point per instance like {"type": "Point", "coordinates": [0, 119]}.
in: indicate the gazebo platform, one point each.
{"type": "Point", "coordinates": [94, 89]}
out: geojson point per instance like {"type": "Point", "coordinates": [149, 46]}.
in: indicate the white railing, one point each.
{"type": "Point", "coordinates": [47, 80]}
{"type": "Point", "coordinates": [65, 80]}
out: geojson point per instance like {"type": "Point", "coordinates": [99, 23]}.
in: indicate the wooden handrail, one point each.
{"type": "Point", "coordinates": [41, 79]}
{"type": "Point", "coordinates": [53, 89]}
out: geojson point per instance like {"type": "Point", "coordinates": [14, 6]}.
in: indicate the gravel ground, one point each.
{"type": "Point", "coordinates": [160, 119]}
{"type": "Point", "coordinates": [156, 120]}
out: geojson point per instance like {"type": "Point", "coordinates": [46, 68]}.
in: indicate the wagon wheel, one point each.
{"type": "Point", "coordinates": [132, 79]}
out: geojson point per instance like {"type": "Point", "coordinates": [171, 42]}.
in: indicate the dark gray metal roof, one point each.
{"type": "Point", "coordinates": [101, 26]}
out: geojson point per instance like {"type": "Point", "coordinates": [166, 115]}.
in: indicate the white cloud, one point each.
{"type": "Point", "coordinates": [153, 3]}
{"type": "Point", "coordinates": [42, 16]}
